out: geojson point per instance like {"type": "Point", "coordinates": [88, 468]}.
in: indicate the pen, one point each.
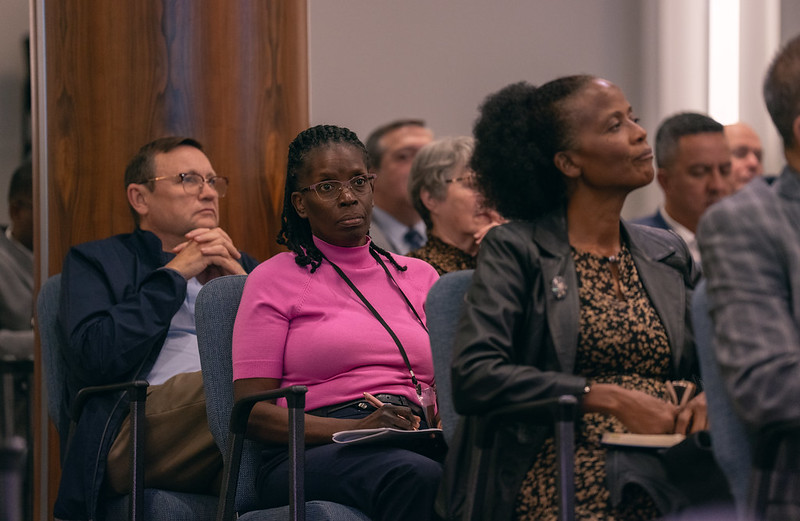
{"type": "Point", "coordinates": [374, 401]}
{"type": "Point", "coordinates": [378, 404]}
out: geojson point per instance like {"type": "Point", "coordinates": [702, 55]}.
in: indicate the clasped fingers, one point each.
{"type": "Point", "coordinates": [209, 237]}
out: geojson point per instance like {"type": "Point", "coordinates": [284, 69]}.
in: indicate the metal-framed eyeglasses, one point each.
{"type": "Point", "coordinates": [330, 190]}
{"type": "Point", "coordinates": [468, 180]}
{"type": "Point", "coordinates": [193, 182]}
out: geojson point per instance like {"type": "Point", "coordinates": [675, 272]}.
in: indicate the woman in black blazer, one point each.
{"type": "Point", "coordinates": [570, 299]}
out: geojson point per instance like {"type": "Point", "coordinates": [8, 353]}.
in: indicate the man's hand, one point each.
{"type": "Point", "coordinates": [206, 254]}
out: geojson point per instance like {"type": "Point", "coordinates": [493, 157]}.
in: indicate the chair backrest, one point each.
{"type": "Point", "coordinates": [53, 363]}
{"type": "Point", "coordinates": [158, 504]}
{"type": "Point", "coordinates": [215, 313]}
{"type": "Point", "coordinates": [442, 309]}
{"type": "Point", "coordinates": [730, 441]}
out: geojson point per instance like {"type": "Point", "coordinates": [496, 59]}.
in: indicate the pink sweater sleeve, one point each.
{"type": "Point", "coordinates": [262, 322]}
{"type": "Point", "coordinates": [311, 329]}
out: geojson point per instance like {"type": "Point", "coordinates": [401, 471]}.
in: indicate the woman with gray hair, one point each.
{"type": "Point", "coordinates": [444, 193]}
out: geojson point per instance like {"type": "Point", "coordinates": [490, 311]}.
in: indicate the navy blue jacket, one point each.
{"type": "Point", "coordinates": [655, 220]}
{"type": "Point", "coordinates": [115, 310]}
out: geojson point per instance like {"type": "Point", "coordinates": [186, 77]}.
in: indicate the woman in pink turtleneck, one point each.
{"type": "Point", "coordinates": [301, 321]}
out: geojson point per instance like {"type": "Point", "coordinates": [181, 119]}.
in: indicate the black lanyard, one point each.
{"type": "Point", "coordinates": [377, 315]}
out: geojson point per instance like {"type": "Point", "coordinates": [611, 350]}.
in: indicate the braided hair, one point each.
{"type": "Point", "coordinates": [295, 232]}
{"type": "Point", "coordinates": [518, 133]}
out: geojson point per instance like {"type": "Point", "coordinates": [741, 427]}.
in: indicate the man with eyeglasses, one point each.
{"type": "Point", "coordinates": [396, 225]}
{"type": "Point", "coordinates": [127, 310]}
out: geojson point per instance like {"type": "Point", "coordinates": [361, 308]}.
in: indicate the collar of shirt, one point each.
{"type": "Point", "coordinates": [394, 230]}
{"type": "Point", "coordinates": [684, 233]}
{"type": "Point", "coordinates": [21, 247]}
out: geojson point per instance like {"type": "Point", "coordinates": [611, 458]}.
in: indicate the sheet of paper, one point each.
{"type": "Point", "coordinates": [387, 436]}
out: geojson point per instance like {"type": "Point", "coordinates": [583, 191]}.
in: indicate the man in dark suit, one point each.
{"type": "Point", "coordinates": [127, 313]}
{"type": "Point", "coordinates": [396, 225]}
{"type": "Point", "coordinates": [750, 245]}
{"type": "Point", "coordinates": [694, 170]}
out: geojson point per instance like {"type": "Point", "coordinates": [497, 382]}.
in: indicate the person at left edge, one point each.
{"type": "Point", "coordinates": [127, 310]}
{"type": "Point", "coordinates": [301, 322]}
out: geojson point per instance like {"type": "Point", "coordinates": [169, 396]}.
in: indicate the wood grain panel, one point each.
{"type": "Point", "coordinates": [230, 73]}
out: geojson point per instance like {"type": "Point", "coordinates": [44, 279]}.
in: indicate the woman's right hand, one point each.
{"type": "Point", "coordinates": [645, 414]}
{"type": "Point", "coordinates": [394, 416]}
{"type": "Point", "coordinates": [640, 412]}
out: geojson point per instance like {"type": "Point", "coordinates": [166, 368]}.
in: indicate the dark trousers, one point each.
{"type": "Point", "coordinates": [383, 482]}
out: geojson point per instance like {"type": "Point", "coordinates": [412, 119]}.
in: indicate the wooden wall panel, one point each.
{"type": "Point", "coordinates": [230, 73]}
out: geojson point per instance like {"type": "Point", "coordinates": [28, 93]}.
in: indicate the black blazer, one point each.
{"type": "Point", "coordinates": [517, 338]}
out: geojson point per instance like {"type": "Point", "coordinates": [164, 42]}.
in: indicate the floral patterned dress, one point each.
{"type": "Point", "coordinates": [444, 257]}
{"type": "Point", "coordinates": [621, 341]}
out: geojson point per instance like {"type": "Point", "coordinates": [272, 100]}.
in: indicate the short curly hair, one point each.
{"type": "Point", "coordinates": [517, 135]}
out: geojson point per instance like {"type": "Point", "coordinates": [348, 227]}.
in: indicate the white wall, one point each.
{"type": "Point", "coordinates": [376, 60]}
{"type": "Point", "coordinates": [372, 61]}
{"type": "Point", "coordinates": [13, 28]}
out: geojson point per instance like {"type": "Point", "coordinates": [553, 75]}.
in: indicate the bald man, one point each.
{"type": "Point", "coordinates": [746, 154]}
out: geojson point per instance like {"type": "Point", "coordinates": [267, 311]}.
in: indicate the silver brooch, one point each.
{"type": "Point", "coordinates": [558, 287]}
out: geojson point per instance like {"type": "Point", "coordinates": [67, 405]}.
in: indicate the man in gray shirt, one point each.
{"type": "Point", "coordinates": [16, 263]}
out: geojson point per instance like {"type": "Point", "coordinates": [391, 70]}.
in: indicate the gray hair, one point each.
{"type": "Point", "coordinates": [431, 167]}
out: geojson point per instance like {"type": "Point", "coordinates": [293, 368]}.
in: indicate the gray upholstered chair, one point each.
{"type": "Point", "coordinates": [442, 309]}
{"type": "Point", "coordinates": [142, 503]}
{"type": "Point", "coordinates": [215, 312]}
{"type": "Point", "coordinates": [731, 443]}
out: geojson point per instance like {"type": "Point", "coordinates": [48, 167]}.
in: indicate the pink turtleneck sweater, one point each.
{"type": "Point", "coordinates": [311, 329]}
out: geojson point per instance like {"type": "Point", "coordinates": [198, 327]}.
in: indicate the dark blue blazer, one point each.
{"type": "Point", "coordinates": [116, 308]}
{"type": "Point", "coordinates": [655, 220]}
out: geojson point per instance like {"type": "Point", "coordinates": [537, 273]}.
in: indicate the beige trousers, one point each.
{"type": "Point", "coordinates": [180, 453]}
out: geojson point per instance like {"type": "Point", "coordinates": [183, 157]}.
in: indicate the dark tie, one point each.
{"type": "Point", "coordinates": [413, 238]}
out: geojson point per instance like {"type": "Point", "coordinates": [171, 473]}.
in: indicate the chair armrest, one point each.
{"type": "Point", "coordinates": [137, 395]}
{"type": "Point", "coordinates": [136, 392]}
{"type": "Point", "coordinates": [296, 399]}
{"type": "Point", "coordinates": [775, 442]}
{"type": "Point", "coordinates": [561, 412]}
{"type": "Point", "coordinates": [560, 409]}
{"type": "Point", "coordinates": [776, 452]}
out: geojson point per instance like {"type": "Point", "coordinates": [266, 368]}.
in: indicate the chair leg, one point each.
{"type": "Point", "coordinates": [137, 397]}
{"type": "Point", "coordinates": [297, 502]}
{"type": "Point", "coordinates": [565, 442]}
{"type": "Point", "coordinates": [473, 506]}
